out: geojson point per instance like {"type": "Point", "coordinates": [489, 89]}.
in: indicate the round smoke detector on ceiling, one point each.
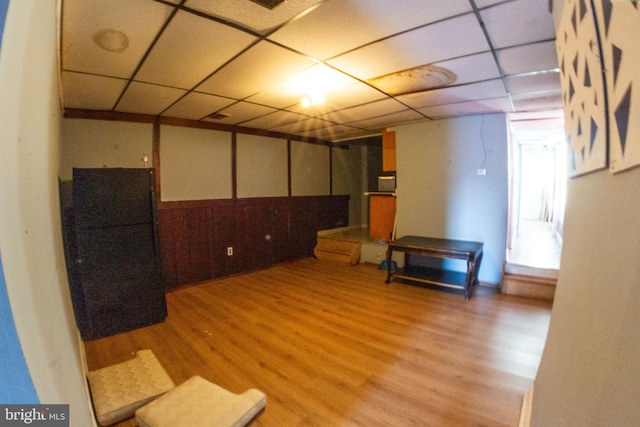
{"type": "Point", "coordinates": [111, 40]}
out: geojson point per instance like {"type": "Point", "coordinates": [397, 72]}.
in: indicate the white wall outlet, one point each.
{"type": "Point", "coordinates": [229, 250]}
{"type": "Point", "coordinates": [378, 256]}
{"type": "Point", "coordinates": [482, 172]}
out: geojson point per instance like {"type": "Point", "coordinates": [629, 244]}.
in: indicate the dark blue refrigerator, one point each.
{"type": "Point", "coordinates": [115, 278]}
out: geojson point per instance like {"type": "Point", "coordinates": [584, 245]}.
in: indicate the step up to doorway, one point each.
{"type": "Point", "coordinates": [525, 270]}
{"type": "Point", "coordinates": [528, 286]}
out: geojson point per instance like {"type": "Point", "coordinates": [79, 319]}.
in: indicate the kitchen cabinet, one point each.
{"type": "Point", "coordinates": [382, 217]}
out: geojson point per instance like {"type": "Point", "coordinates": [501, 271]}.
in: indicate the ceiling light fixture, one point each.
{"type": "Point", "coordinates": [314, 98]}
{"type": "Point", "coordinates": [314, 84]}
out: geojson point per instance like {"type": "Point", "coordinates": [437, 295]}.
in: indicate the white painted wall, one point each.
{"type": "Point", "coordinates": [589, 373]}
{"type": "Point", "coordinates": [195, 164]}
{"type": "Point", "coordinates": [30, 232]}
{"type": "Point", "coordinates": [440, 194]}
{"type": "Point", "coordinates": [262, 169]}
{"type": "Point", "coordinates": [100, 143]}
{"type": "Point", "coordinates": [309, 169]}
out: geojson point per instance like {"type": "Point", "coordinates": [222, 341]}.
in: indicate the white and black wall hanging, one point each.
{"type": "Point", "coordinates": [583, 88]}
{"type": "Point", "coordinates": [619, 29]}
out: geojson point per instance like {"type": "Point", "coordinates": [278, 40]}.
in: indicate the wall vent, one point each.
{"type": "Point", "coordinates": [269, 4]}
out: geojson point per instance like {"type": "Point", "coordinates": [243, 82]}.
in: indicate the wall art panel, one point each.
{"type": "Point", "coordinates": [583, 89]}
{"type": "Point", "coordinates": [619, 28]}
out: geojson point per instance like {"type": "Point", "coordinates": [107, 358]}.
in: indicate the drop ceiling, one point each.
{"type": "Point", "coordinates": [377, 63]}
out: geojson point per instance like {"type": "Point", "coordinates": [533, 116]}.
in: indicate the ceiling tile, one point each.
{"type": "Point", "coordinates": [518, 22]}
{"type": "Point", "coordinates": [444, 40]}
{"type": "Point", "coordinates": [479, 106]}
{"type": "Point", "coordinates": [534, 83]}
{"type": "Point", "coordinates": [546, 114]}
{"type": "Point", "coordinates": [373, 109]}
{"type": "Point", "coordinates": [251, 15]}
{"type": "Point", "coordinates": [197, 105]}
{"type": "Point", "coordinates": [472, 68]}
{"type": "Point", "coordinates": [538, 101]}
{"type": "Point", "coordinates": [331, 133]}
{"type": "Point", "coordinates": [243, 111]}
{"type": "Point", "coordinates": [485, 3]}
{"type": "Point", "coordinates": [487, 89]}
{"type": "Point", "coordinates": [380, 122]}
{"type": "Point", "coordinates": [91, 92]}
{"type": "Point", "coordinates": [214, 49]}
{"type": "Point", "coordinates": [527, 58]}
{"type": "Point", "coordinates": [83, 20]}
{"type": "Point", "coordinates": [301, 126]}
{"type": "Point", "coordinates": [261, 67]}
{"type": "Point", "coordinates": [328, 30]}
{"type": "Point", "coordinates": [191, 48]}
{"type": "Point", "coordinates": [146, 98]}
{"type": "Point", "coordinates": [278, 118]}
{"type": "Point", "coordinates": [276, 97]}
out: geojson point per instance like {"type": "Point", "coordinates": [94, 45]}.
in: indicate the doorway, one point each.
{"type": "Point", "coordinates": [537, 190]}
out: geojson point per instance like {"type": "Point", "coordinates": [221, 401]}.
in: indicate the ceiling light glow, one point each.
{"type": "Point", "coordinates": [314, 98]}
{"type": "Point", "coordinates": [316, 83]}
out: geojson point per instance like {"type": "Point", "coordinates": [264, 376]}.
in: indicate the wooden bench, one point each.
{"type": "Point", "coordinates": [471, 252]}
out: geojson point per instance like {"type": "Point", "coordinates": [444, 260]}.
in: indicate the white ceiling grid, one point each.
{"type": "Point", "coordinates": [235, 59]}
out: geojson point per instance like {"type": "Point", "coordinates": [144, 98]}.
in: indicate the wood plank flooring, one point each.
{"type": "Point", "coordinates": [333, 345]}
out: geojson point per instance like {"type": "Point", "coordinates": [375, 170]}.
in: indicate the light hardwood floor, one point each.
{"type": "Point", "coordinates": [333, 345]}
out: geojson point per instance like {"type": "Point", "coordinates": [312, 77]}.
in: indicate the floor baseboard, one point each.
{"type": "Point", "coordinates": [525, 410]}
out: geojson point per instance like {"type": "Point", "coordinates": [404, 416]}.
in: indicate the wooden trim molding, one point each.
{"type": "Point", "coordinates": [74, 113]}
{"type": "Point", "coordinates": [234, 165]}
{"type": "Point", "coordinates": [190, 204]}
{"type": "Point", "coordinates": [155, 156]}
{"type": "Point", "coordinates": [330, 171]}
{"type": "Point", "coordinates": [525, 410]}
{"type": "Point", "coordinates": [289, 192]}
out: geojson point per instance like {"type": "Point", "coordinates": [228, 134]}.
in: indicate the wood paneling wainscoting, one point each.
{"type": "Point", "coordinates": [194, 235]}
